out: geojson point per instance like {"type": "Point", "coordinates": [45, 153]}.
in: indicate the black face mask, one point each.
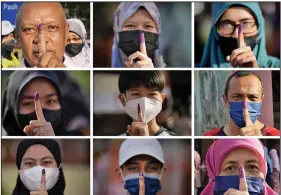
{"type": "Point", "coordinates": [7, 49]}
{"type": "Point", "coordinates": [129, 42]}
{"type": "Point", "coordinates": [52, 116]}
{"type": "Point", "coordinates": [228, 44]}
{"type": "Point", "coordinates": [72, 49]}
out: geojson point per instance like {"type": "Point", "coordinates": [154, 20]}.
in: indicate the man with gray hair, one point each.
{"type": "Point", "coordinates": [42, 30]}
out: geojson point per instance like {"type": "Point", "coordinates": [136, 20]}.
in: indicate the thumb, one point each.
{"type": "Point", "coordinates": [246, 115]}
{"type": "Point", "coordinates": [243, 183]}
{"type": "Point", "coordinates": [141, 184]}
{"type": "Point", "coordinates": [241, 41]}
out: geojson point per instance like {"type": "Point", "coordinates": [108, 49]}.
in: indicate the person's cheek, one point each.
{"type": "Point", "coordinates": [56, 43]}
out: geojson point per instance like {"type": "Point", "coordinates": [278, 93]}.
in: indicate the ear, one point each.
{"type": "Point", "coordinates": [262, 98]}
{"type": "Point", "coordinates": [118, 173]}
{"type": "Point", "coordinates": [17, 37]}
{"type": "Point", "coordinates": [226, 103]}
{"type": "Point", "coordinates": [162, 97]}
{"type": "Point", "coordinates": [122, 100]}
{"type": "Point", "coordinates": [66, 32]}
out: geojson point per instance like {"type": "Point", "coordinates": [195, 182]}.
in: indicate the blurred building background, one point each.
{"type": "Point", "coordinates": [203, 22]}
{"type": "Point", "coordinates": [111, 119]}
{"type": "Point", "coordinates": [75, 163]}
{"type": "Point", "coordinates": [210, 112]}
{"type": "Point", "coordinates": [174, 40]}
{"type": "Point", "coordinates": [176, 180]}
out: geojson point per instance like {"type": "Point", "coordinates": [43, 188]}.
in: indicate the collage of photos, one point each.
{"type": "Point", "coordinates": [86, 87]}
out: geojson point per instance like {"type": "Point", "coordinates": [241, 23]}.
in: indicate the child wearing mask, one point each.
{"type": "Point", "coordinates": [141, 95]}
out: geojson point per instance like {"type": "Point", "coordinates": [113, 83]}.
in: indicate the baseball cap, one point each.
{"type": "Point", "coordinates": [7, 27]}
{"type": "Point", "coordinates": [77, 26]}
{"type": "Point", "coordinates": [134, 147]}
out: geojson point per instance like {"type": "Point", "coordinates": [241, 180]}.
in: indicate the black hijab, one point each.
{"type": "Point", "coordinates": [10, 105]}
{"type": "Point", "coordinates": [54, 148]}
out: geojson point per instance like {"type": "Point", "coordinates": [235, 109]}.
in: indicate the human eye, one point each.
{"type": "Point", "coordinates": [253, 167]}
{"type": "Point", "coordinates": [133, 169]}
{"type": "Point", "coordinates": [28, 30]}
{"type": "Point", "coordinates": [153, 168]}
{"type": "Point", "coordinates": [52, 28]}
{"type": "Point", "coordinates": [52, 101]}
{"type": "Point", "coordinates": [130, 26]}
{"type": "Point", "coordinates": [230, 168]}
{"type": "Point", "coordinates": [27, 103]}
{"type": "Point", "coordinates": [29, 164]}
{"type": "Point", "coordinates": [47, 163]}
{"type": "Point", "coordinates": [226, 25]}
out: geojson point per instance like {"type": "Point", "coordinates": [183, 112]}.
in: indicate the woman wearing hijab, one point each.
{"type": "Point", "coordinates": [237, 167]}
{"type": "Point", "coordinates": [39, 160]}
{"type": "Point", "coordinates": [77, 50]}
{"type": "Point", "coordinates": [137, 26]}
{"type": "Point", "coordinates": [32, 105]}
{"type": "Point", "coordinates": [237, 38]}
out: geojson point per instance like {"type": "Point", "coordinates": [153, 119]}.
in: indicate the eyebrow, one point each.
{"type": "Point", "coordinates": [32, 97]}
{"type": "Point", "coordinates": [252, 161]}
{"type": "Point", "coordinates": [242, 20]}
{"type": "Point", "coordinates": [44, 158]}
{"type": "Point", "coordinates": [47, 157]}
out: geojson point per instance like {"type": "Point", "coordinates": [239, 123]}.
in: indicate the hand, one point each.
{"type": "Point", "coordinates": [145, 61]}
{"type": "Point", "coordinates": [39, 127]}
{"type": "Point", "coordinates": [46, 59]}
{"type": "Point", "coordinates": [243, 56]}
{"type": "Point", "coordinates": [243, 187]}
{"type": "Point", "coordinates": [138, 128]}
{"type": "Point", "coordinates": [43, 190]}
{"type": "Point", "coordinates": [141, 184]}
{"type": "Point", "coordinates": [250, 129]}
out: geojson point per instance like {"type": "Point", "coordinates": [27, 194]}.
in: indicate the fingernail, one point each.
{"type": "Point", "coordinates": [244, 104]}
{"type": "Point", "coordinates": [141, 173]}
{"type": "Point", "coordinates": [43, 171]}
{"type": "Point", "coordinates": [240, 28]}
{"type": "Point", "coordinates": [36, 96]}
{"type": "Point", "coordinates": [138, 108]}
{"type": "Point", "coordinates": [142, 37]}
{"type": "Point", "coordinates": [41, 26]}
{"type": "Point", "coordinates": [241, 172]}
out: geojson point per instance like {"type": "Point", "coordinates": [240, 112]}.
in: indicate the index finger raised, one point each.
{"type": "Point", "coordinates": [241, 41]}
{"type": "Point", "coordinates": [43, 181]}
{"type": "Point", "coordinates": [141, 184]}
{"type": "Point", "coordinates": [246, 114]}
{"type": "Point", "coordinates": [41, 43]}
{"type": "Point", "coordinates": [242, 181]}
{"type": "Point", "coordinates": [142, 44]}
{"type": "Point", "coordinates": [140, 119]}
{"type": "Point", "coordinates": [38, 109]}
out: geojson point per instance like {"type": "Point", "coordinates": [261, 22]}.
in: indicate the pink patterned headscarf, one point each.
{"type": "Point", "coordinates": [220, 148]}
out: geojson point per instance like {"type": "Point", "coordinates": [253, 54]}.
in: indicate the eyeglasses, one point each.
{"type": "Point", "coordinates": [228, 27]}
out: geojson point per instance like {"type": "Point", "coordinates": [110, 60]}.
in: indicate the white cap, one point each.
{"type": "Point", "coordinates": [7, 27]}
{"type": "Point", "coordinates": [134, 147]}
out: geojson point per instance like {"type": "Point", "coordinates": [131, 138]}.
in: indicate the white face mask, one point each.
{"type": "Point", "coordinates": [150, 108]}
{"type": "Point", "coordinates": [31, 178]}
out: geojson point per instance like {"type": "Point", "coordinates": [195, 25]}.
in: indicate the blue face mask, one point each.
{"type": "Point", "coordinates": [223, 183]}
{"type": "Point", "coordinates": [152, 184]}
{"type": "Point", "coordinates": [236, 112]}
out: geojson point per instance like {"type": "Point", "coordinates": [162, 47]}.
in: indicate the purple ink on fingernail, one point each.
{"type": "Point", "coordinates": [240, 28]}
{"type": "Point", "coordinates": [241, 172]}
{"type": "Point", "coordinates": [36, 96]}
{"type": "Point", "coordinates": [141, 173]}
{"type": "Point", "coordinates": [41, 26]}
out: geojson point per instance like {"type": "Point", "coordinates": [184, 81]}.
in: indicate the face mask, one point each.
{"type": "Point", "coordinates": [52, 116]}
{"type": "Point", "coordinates": [223, 183]}
{"type": "Point", "coordinates": [7, 49]}
{"type": "Point", "coordinates": [152, 184]}
{"type": "Point", "coordinates": [129, 42]}
{"type": "Point", "coordinates": [228, 44]}
{"type": "Point", "coordinates": [31, 178]}
{"type": "Point", "coordinates": [72, 49]}
{"type": "Point", "coordinates": [150, 108]}
{"type": "Point", "coordinates": [236, 112]}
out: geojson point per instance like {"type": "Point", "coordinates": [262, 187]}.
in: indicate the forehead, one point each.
{"type": "Point", "coordinates": [73, 34]}
{"type": "Point", "coordinates": [237, 13]}
{"type": "Point", "coordinates": [38, 84]}
{"type": "Point", "coordinates": [250, 82]}
{"type": "Point", "coordinates": [140, 15]}
{"type": "Point", "coordinates": [142, 159]}
{"type": "Point", "coordinates": [37, 151]}
{"type": "Point", "coordinates": [241, 155]}
{"type": "Point", "coordinates": [41, 12]}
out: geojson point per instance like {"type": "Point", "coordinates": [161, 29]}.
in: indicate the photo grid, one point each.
{"type": "Point", "coordinates": [86, 87]}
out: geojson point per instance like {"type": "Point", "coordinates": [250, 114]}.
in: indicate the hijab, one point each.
{"type": "Point", "coordinates": [212, 55]}
{"type": "Point", "coordinates": [54, 148]}
{"type": "Point", "coordinates": [124, 11]}
{"type": "Point", "coordinates": [220, 148]}
{"type": "Point", "coordinates": [10, 105]}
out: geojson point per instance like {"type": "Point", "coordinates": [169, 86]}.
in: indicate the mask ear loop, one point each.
{"type": "Point", "coordinates": [124, 97]}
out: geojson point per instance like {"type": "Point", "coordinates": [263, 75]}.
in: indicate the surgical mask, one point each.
{"type": "Point", "coordinates": [228, 44]}
{"type": "Point", "coordinates": [223, 183]}
{"type": "Point", "coordinates": [7, 48]}
{"type": "Point", "coordinates": [31, 178]}
{"type": "Point", "coordinates": [52, 116]}
{"type": "Point", "coordinates": [129, 42]}
{"type": "Point", "coordinates": [73, 49]}
{"type": "Point", "coordinates": [236, 112]}
{"type": "Point", "coordinates": [152, 184]}
{"type": "Point", "coordinates": [150, 108]}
